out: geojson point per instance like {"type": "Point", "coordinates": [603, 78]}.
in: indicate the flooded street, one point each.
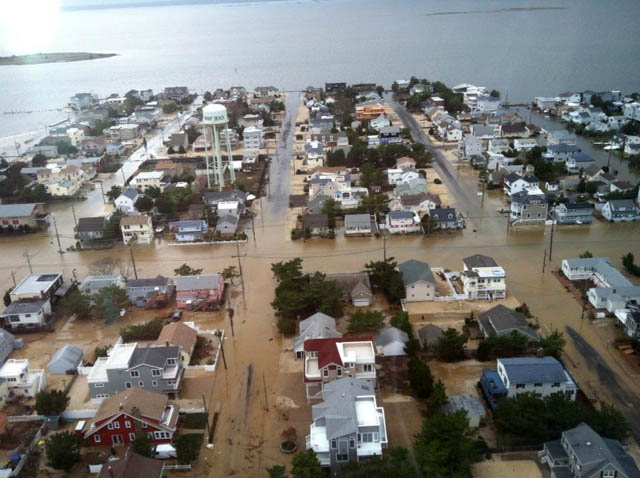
{"type": "Point", "coordinates": [246, 436]}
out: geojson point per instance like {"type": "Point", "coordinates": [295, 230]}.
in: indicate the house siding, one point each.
{"type": "Point", "coordinates": [120, 421]}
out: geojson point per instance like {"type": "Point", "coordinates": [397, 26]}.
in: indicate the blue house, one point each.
{"type": "Point", "coordinates": [189, 231]}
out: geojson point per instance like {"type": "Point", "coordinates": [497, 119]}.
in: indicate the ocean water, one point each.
{"type": "Point", "coordinates": [537, 48]}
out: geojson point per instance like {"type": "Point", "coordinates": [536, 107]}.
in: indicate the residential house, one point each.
{"type": "Point", "coordinates": [629, 319]}
{"type": "Point", "coordinates": [329, 359]}
{"type": "Point", "coordinates": [614, 298]}
{"type": "Point", "coordinates": [214, 198]}
{"type": "Point", "coordinates": [445, 218]}
{"type": "Point", "coordinates": [90, 232]}
{"type": "Point", "coordinates": [189, 230]}
{"type": "Point", "coordinates": [249, 120]}
{"type": "Point", "coordinates": [66, 360]}
{"type": "Point", "coordinates": [514, 183]}
{"type": "Point", "coordinates": [472, 406]}
{"type": "Point", "coordinates": [496, 145]}
{"type": "Point", "coordinates": [487, 104]}
{"type": "Point", "coordinates": [621, 210]}
{"type": "Point", "coordinates": [380, 122]}
{"type": "Point", "coordinates": [514, 130]}
{"type": "Point", "coordinates": [147, 179]}
{"type": "Point", "coordinates": [30, 215]}
{"type": "Point", "coordinates": [231, 134]}
{"type": "Point", "coordinates": [193, 292]}
{"type": "Point", "coordinates": [7, 344]}
{"type": "Point", "coordinates": [390, 135]}
{"type": "Point", "coordinates": [403, 222]}
{"type": "Point", "coordinates": [94, 283]}
{"type": "Point", "coordinates": [583, 453]}
{"type": "Point", "coordinates": [576, 212]}
{"type": "Point", "coordinates": [21, 381]}
{"type": "Point", "coordinates": [180, 335]}
{"type": "Point", "coordinates": [176, 93]}
{"type": "Point", "coordinates": [356, 288]}
{"type": "Point", "coordinates": [357, 225]}
{"type": "Point", "coordinates": [515, 376]}
{"type": "Point", "coordinates": [528, 209]}
{"type": "Point", "coordinates": [348, 425]}
{"type": "Point", "coordinates": [524, 144]}
{"type": "Point", "coordinates": [391, 342]}
{"type": "Point", "coordinates": [621, 187]}
{"type": "Point", "coordinates": [369, 111]}
{"type": "Point", "coordinates": [317, 224]}
{"type": "Point", "coordinates": [500, 321]}
{"type": "Point", "coordinates": [418, 203]}
{"type": "Point", "coordinates": [482, 278]}
{"type": "Point", "coordinates": [124, 132]}
{"type": "Point", "coordinates": [155, 368]}
{"type": "Point", "coordinates": [313, 155]}
{"type": "Point", "coordinates": [484, 132]}
{"type": "Point", "coordinates": [132, 466]}
{"type": "Point", "coordinates": [560, 136]}
{"type": "Point", "coordinates": [141, 292]}
{"type": "Point", "coordinates": [578, 161]}
{"type": "Point", "coordinates": [81, 101]}
{"type": "Point", "coordinates": [262, 91]}
{"type": "Point", "coordinates": [76, 135]}
{"type": "Point", "coordinates": [137, 228]}
{"type": "Point", "coordinates": [26, 314]}
{"type": "Point", "coordinates": [316, 326]}
{"type": "Point", "coordinates": [126, 201]}
{"type": "Point", "coordinates": [560, 153]}
{"type": "Point", "coordinates": [122, 416]}
{"type": "Point", "coordinates": [37, 286]}
{"type": "Point", "coordinates": [469, 146]}
{"type": "Point", "coordinates": [419, 282]}
{"type": "Point", "coordinates": [632, 110]}
{"type": "Point", "coordinates": [227, 224]}
{"type": "Point", "coordinates": [252, 138]}
{"type": "Point", "coordinates": [93, 146]}
{"type": "Point", "coordinates": [411, 186]}
{"type": "Point", "coordinates": [429, 335]}
{"type": "Point", "coordinates": [406, 163]}
{"type": "Point", "coordinates": [596, 269]}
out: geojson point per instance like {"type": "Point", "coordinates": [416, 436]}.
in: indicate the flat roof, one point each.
{"type": "Point", "coordinates": [36, 283]}
{"type": "Point", "coordinates": [354, 351]}
{"type": "Point", "coordinates": [13, 368]}
{"type": "Point", "coordinates": [366, 412]}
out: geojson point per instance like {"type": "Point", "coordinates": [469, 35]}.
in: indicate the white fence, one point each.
{"type": "Point", "coordinates": [25, 418]}
{"type": "Point", "coordinates": [6, 473]}
{"type": "Point", "coordinates": [79, 414]}
{"type": "Point", "coordinates": [190, 411]}
{"type": "Point", "coordinates": [84, 370]}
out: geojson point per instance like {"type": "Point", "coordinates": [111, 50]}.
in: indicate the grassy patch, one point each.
{"type": "Point", "coordinates": [195, 421]}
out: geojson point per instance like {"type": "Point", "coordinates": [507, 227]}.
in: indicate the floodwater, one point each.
{"type": "Point", "coordinates": [244, 425]}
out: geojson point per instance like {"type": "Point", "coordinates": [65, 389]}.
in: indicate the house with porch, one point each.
{"type": "Point", "coordinates": [578, 161]}
{"type": "Point", "coordinates": [143, 291]}
{"type": "Point", "coordinates": [195, 291]}
{"type": "Point", "coordinates": [94, 283]}
{"type": "Point", "coordinates": [137, 228]}
{"type": "Point", "coordinates": [574, 212]}
{"type": "Point", "coordinates": [482, 278]}
{"type": "Point", "coordinates": [122, 416]}
{"type": "Point", "coordinates": [179, 334]}
{"type": "Point", "coordinates": [189, 230]}
{"type": "Point", "coordinates": [348, 425]}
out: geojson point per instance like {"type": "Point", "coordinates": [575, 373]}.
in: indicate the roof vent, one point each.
{"type": "Point", "coordinates": [121, 407]}
{"type": "Point", "coordinates": [588, 443]}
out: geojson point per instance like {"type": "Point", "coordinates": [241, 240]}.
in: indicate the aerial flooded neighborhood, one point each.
{"type": "Point", "coordinates": [412, 276]}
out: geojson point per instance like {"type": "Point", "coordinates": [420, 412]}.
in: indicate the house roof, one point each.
{"type": "Point", "coordinates": [36, 283]}
{"type": "Point", "coordinates": [582, 158]}
{"type": "Point", "coordinates": [518, 127]}
{"type": "Point", "coordinates": [17, 210]}
{"type": "Point", "coordinates": [158, 281]}
{"type": "Point", "coordinates": [414, 271]}
{"type": "Point", "coordinates": [500, 320]}
{"type": "Point", "coordinates": [401, 215]}
{"type": "Point", "coordinates": [578, 205]}
{"type": "Point", "coordinates": [327, 348]}
{"type": "Point", "coordinates": [356, 220]}
{"type": "Point", "coordinates": [352, 284]}
{"type": "Point", "coordinates": [24, 307]}
{"type": "Point", "coordinates": [134, 220]}
{"type": "Point", "coordinates": [91, 224]}
{"type": "Point", "coordinates": [207, 281]}
{"type": "Point", "coordinates": [316, 220]}
{"type": "Point", "coordinates": [316, 326]}
{"type": "Point", "coordinates": [66, 358]}
{"type": "Point", "coordinates": [594, 451]}
{"type": "Point", "coordinates": [180, 334]}
{"type": "Point", "coordinates": [338, 407]}
{"type": "Point", "coordinates": [429, 334]}
{"type": "Point", "coordinates": [132, 466]}
{"type": "Point", "coordinates": [533, 370]}
{"type": "Point", "coordinates": [218, 196]}
{"type": "Point", "coordinates": [130, 193]}
{"type": "Point", "coordinates": [441, 214]}
{"type": "Point", "coordinates": [92, 282]}
{"type": "Point", "coordinates": [622, 204]}
{"type": "Point", "coordinates": [479, 260]}
{"type": "Point", "coordinates": [145, 402]}
{"type": "Point", "coordinates": [391, 335]}
{"type": "Point", "coordinates": [563, 148]}
{"type": "Point", "coordinates": [405, 160]}
{"type": "Point", "coordinates": [153, 356]}
{"type": "Point", "coordinates": [417, 199]}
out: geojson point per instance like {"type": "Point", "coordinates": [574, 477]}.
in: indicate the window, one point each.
{"type": "Point", "coordinates": [141, 384]}
{"type": "Point", "coordinates": [96, 438]}
{"type": "Point", "coordinates": [144, 425]}
{"type": "Point", "coordinates": [127, 424]}
{"type": "Point", "coordinates": [98, 385]}
{"type": "Point", "coordinates": [109, 426]}
{"type": "Point", "coordinates": [156, 372]}
{"type": "Point", "coordinates": [519, 385]}
{"type": "Point", "coordinates": [127, 385]}
{"type": "Point", "coordinates": [342, 457]}
{"type": "Point", "coordinates": [116, 425]}
{"type": "Point", "coordinates": [162, 435]}
{"type": "Point", "coordinates": [325, 372]}
{"type": "Point", "coordinates": [171, 361]}
{"type": "Point", "coordinates": [352, 442]}
{"type": "Point", "coordinates": [367, 367]}
{"type": "Point", "coordinates": [537, 385]}
{"type": "Point", "coordinates": [339, 371]}
{"type": "Point", "coordinates": [132, 437]}
{"type": "Point", "coordinates": [366, 438]}
{"type": "Point", "coordinates": [134, 373]}
{"type": "Point", "coordinates": [334, 444]}
{"type": "Point", "coordinates": [555, 385]}
{"type": "Point", "coordinates": [154, 383]}
{"type": "Point", "coordinates": [608, 474]}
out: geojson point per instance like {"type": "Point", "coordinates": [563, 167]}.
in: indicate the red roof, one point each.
{"type": "Point", "coordinates": [327, 350]}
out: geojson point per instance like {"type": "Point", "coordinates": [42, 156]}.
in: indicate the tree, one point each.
{"type": "Point", "coordinates": [628, 261]}
{"type": "Point", "coordinates": [181, 149]}
{"type": "Point", "coordinates": [395, 462]}
{"type": "Point", "coordinates": [494, 94]}
{"type": "Point", "coordinates": [169, 108]}
{"type": "Point", "coordinates": [502, 346]}
{"type": "Point", "coordinates": [230, 273]}
{"type": "Point", "coordinates": [329, 208]}
{"type": "Point", "coordinates": [386, 278]}
{"type": "Point", "coordinates": [114, 192]}
{"type": "Point", "coordinates": [305, 464]}
{"type": "Point", "coordinates": [153, 192]}
{"type": "Point", "coordinates": [39, 161]}
{"type": "Point", "coordinates": [112, 228]}
{"type": "Point", "coordinates": [586, 255]}
{"type": "Point", "coordinates": [63, 450]}
{"type": "Point", "coordinates": [109, 301]}
{"type": "Point", "coordinates": [188, 447]}
{"type": "Point", "coordinates": [446, 447]}
{"type": "Point", "coordinates": [76, 303]}
{"type": "Point", "coordinates": [7, 297]}
{"type": "Point", "coordinates": [420, 377]}
{"type": "Point", "coordinates": [35, 193]}
{"type": "Point", "coordinates": [591, 187]}
{"type": "Point", "coordinates": [371, 175]}
{"type": "Point", "coordinates": [51, 402]}
{"type": "Point", "coordinates": [207, 96]}
{"type": "Point", "coordinates": [65, 148]}
{"type": "Point", "coordinates": [401, 321]}
{"type": "Point", "coordinates": [380, 90]}
{"type": "Point", "coordinates": [143, 445]}
{"type": "Point", "coordinates": [428, 223]}
{"type": "Point", "coordinates": [277, 471]}
{"type": "Point", "coordinates": [187, 270]}
{"type": "Point", "coordinates": [553, 344]}
{"type": "Point", "coordinates": [582, 186]}
{"type": "Point", "coordinates": [144, 204]}
{"type": "Point", "coordinates": [438, 398]}
{"type": "Point", "coordinates": [365, 320]}
{"type": "Point", "coordinates": [450, 346]}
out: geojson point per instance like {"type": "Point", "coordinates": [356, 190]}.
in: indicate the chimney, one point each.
{"type": "Point", "coordinates": [166, 342]}
{"type": "Point", "coordinates": [121, 407]}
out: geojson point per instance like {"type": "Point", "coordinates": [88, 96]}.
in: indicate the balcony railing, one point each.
{"type": "Point", "coordinates": [365, 375]}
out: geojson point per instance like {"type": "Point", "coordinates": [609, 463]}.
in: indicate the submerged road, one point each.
{"type": "Point", "coordinates": [610, 381]}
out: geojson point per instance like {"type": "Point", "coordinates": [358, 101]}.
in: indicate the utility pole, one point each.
{"type": "Point", "coordinates": [261, 211]}
{"type": "Point", "coordinates": [240, 265]}
{"type": "Point", "coordinates": [101, 189]}
{"type": "Point", "coordinates": [266, 400]}
{"type": "Point", "coordinates": [483, 192]}
{"type": "Point", "coordinates": [206, 412]}
{"type": "Point", "coordinates": [13, 276]}
{"type": "Point", "coordinates": [124, 179]}
{"type": "Point", "coordinates": [55, 225]}
{"type": "Point", "coordinates": [73, 210]}
{"type": "Point", "coordinates": [544, 259]}
{"type": "Point", "coordinates": [253, 228]}
{"type": "Point", "coordinates": [220, 336]}
{"type": "Point", "coordinates": [26, 254]}
{"type": "Point", "coordinates": [133, 261]}
{"type": "Point", "coordinates": [553, 222]}
{"type": "Point", "coordinates": [384, 239]}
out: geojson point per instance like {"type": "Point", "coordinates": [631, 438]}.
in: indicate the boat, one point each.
{"type": "Point", "coordinates": [160, 229]}
{"type": "Point", "coordinates": [503, 210]}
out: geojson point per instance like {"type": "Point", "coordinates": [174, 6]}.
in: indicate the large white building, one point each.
{"type": "Point", "coordinates": [21, 382]}
{"type": "Point", "coordinates": [483, 278]}
{"type": "Point", "coordinates": [252, 137]}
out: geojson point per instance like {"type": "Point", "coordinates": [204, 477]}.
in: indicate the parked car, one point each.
{"type": "Point", "coordinates": [164, 451]}
{"type": "Point", "coordinates": [177, 315]}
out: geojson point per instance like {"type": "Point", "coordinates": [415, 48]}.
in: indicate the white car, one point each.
{"type": "Point", "coordinates": [164, 452]}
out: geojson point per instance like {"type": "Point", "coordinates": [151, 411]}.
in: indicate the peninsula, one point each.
{"type": "Point", "coordinates": [38, 58]}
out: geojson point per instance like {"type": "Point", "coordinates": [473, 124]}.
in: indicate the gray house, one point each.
{"type": "Point", "coordinates": [213, 198]}
{"type": "Point", "coordinates": [578, 212]}
{"type": "Point", "coordinates": [141, 291]}
{"type": "Point", "coordinates": [66, 359]}
{"type": "Point", "coordinates": [472, 406]}
{"type": "Point", "coordinates": [92, 284]}
{"type": "Point", "coordinates": [528, 209]}
{"type": "Point", "coordinates": [429, 335]}
{"type": "Point", "coordinates": [501, 320]}
{"type": "Point", "coordinates": [227, 224]}
{"type": "Point", "coordinates": [357, 225]}
{"type": "Point", "coordinates": [316, 224]}
{"type": "Point", "coordinates": [582, 453]}
{"type": "Point", "coordinates": [7, 342]}
{"type": "Point", "coordinates": [348, 425]}
{"type": "Point", "coordinates": [446, 218]}
{"type": "Point", "coordinates": [317, 326]}
{"type": "Point", "coordinates": [356, 288]}
{"type": "Point", "coordinates": [90, 231]}
{"type": "Point", "coordinates": [156, 368]}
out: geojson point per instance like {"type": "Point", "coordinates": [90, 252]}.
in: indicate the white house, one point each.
{"type": "Point", "coordinates": [514, 184]}
{"type": "Point", "coordinates": [523, 144]}
{"type": "Point", "coordinates": [469, 146]}
{"type": "Point", "coordinates": [394, 175]}
{"type": "Point", "coordinates": [21, 381]}
{"type": "Point", "coordinates": [403, 222]}
{"type": "Point", "coordinates": [252, 137]}
{"type": "Point", "coordinates": [127, 200]}
{"type": "Point", "coordinates": [76, 135]}
{"type": "Point", "coordinates": [578, 161]}
{"type": "Point", "coordinates": [380, 122]}
{"type": "Point", "coordinates": [419, 282]}
{"type": "Point", "coordinates": [621, 210]}
{"type": "Point", "coordinates": [632, 110]}
{"type": "Point", "coordinates": [483, 278]}
{"type": "Point", "coordinates": [137, 228]}
{"type": "Point", "coordinates": [26, 313]}
{"type": "Point", "coordinates": [147, 179]}
{"type": "Point", "coordinates": [540, 376]}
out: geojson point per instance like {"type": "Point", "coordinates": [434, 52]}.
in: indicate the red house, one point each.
{"type": "Point", "coordinates": [120, 417]}
{"type": "Point", "coordinates": [194, 292]}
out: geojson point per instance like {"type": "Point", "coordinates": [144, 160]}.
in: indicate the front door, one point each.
{"type": "Point", "coordinates": [116, 440]}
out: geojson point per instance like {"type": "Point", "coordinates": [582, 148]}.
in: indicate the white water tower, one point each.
{"type": "Point", "coordinates": [214, 119]}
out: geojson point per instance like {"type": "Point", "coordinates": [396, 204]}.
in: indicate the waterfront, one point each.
{"type": "Point", "coordinates": [294, 44]}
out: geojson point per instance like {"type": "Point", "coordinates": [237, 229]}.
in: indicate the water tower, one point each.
{"type": "Point", "coordinates": [214, 119]}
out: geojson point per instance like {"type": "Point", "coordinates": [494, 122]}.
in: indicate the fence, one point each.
{"type": "Point", "coordinates": [6, 473]}
{"type": "Point", "coordinates": [176, 467]}
{"type": "Point", "coordinates": [25, 418]}
{"type": "Point", "coordinates": [84, 370]}
{"type": "Point", "coordinates": [79, 414]}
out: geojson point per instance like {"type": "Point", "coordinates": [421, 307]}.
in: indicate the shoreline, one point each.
{"type": "Point", "coordinates": [44, 58]}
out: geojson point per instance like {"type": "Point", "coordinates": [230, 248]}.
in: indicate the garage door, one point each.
{"type": "Point", "coordinates": [361, 302]}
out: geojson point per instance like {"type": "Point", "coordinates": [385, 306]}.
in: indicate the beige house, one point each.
{"type": "Point", "coordinates": [180, 335]}
{"type": "Point", "coordinates": [419, 282]}
{"type": "Point", "coordinates": [138, 227]}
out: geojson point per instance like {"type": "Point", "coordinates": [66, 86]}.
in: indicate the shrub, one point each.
{"type": "Point", "coordinates": [188, 447]}
{"type": "Point", "coordinates": [146, 331]}
{"type": "Point", "coordinates": [51, 402]}
{"type": "Point", "coordinates": [365, 320]}
{"type": "Point", "coordinates": [63, 450]}
{"type": "Point", "coordinates": [287, 326]}
{"type": "Point", "coordinates": [195, 420]}
{"type": "Point", "coordinates": [420, 377]}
